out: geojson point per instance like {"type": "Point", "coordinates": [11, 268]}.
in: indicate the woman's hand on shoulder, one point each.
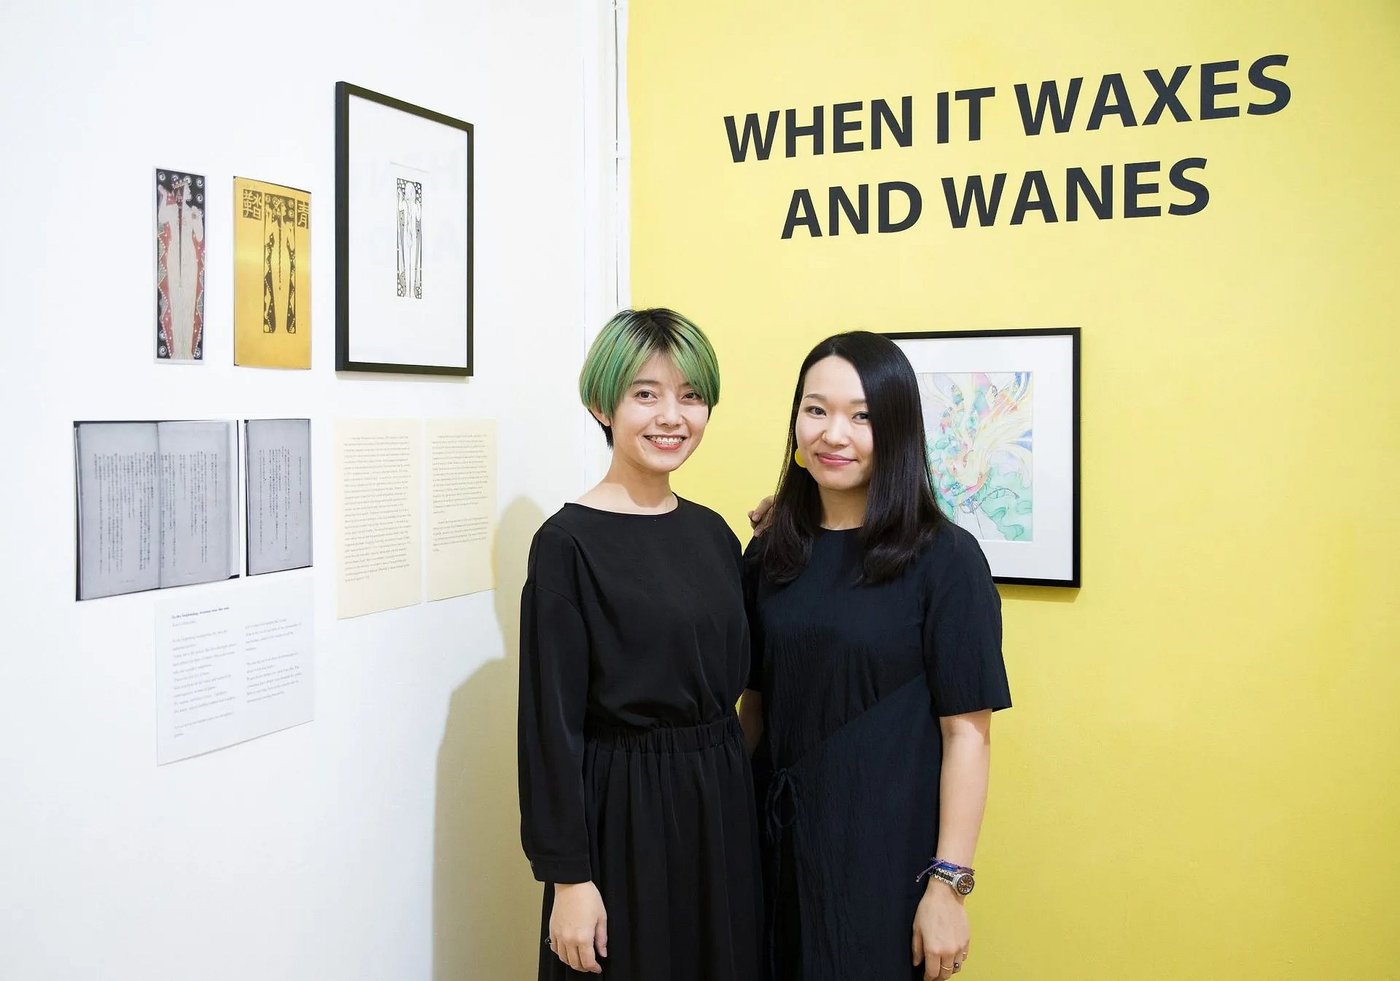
{"type": "Point", "coordinates": [758, 517]}
{"type": "Point", "coordinates": [941, 932]}
{"type": "Point", "coordinates": [578, 926]}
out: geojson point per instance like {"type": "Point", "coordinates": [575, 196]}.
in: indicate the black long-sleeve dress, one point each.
{"type": "Point", "coordinates": [854, 679]}
{"type": "Point", "coordinates": [633, 774]}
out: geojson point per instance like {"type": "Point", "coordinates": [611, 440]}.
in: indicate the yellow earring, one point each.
{"type": "Point", "coordinates": [797, 459]}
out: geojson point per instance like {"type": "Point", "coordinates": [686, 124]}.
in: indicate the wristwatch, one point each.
{"type": "Point", "coordinates": [958, 877]}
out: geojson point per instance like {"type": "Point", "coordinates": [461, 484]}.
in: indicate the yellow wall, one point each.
{"type": "Point", "coordinates": [1199, 778]}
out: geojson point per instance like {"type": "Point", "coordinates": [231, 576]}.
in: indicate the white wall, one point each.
{"type": "Point", "coordinates": [379, 841]}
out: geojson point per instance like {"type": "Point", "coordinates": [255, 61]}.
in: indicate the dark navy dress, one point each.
{"type": "Point", "coordinates": [634, 647]}
{"type": "Point", "coordinates": [854, 679]}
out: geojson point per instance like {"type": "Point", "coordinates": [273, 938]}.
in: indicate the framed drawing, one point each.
{"type": "Point", "coordinates": [1001, 415]}
{"type": "Point", "coordinates": [403, 236]}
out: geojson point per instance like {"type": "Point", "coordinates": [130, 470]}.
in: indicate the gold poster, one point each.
{"type": "Point", "coordinates": [271, 275]}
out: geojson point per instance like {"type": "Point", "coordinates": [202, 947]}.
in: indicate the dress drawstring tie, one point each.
{"type": "Point", "coordinates": [780, 813]}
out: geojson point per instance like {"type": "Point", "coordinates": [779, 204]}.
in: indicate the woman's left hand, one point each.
{"type": "Point", "coordinates": [941, 934]}
{"type": "Point", "coordinates": [758, 517]}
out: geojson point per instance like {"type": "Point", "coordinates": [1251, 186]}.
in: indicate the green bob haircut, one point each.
{"type": "Point", "coordinates": [632, 338]}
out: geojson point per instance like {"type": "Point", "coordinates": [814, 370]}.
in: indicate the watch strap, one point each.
{"type": "Point", "coordinates": [943, 871]}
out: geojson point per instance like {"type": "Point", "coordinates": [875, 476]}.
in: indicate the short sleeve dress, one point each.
{"type": "Point", "coordinates": [854, 679]}
{"type": "Point", "coordinates": [633, 773]}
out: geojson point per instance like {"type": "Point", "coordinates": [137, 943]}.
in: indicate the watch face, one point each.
{"type": "Point", "coordinates": [964, 885]}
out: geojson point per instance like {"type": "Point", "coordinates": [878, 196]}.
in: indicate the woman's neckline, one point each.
{"type": "Point", "coordinates": [630, 514]}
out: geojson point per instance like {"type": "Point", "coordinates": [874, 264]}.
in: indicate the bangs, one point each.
{"type": "Point", "coordinates": [629, 340]}
{"type": "Point", "coordinates": [695, 362]}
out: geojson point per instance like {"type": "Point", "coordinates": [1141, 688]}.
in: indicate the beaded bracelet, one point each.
{"type": "Point", "coordinates": [940, 865]}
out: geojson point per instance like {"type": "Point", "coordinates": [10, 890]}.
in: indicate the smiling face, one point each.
{"type": "Point", "coordinates": [659, 421]}
{"type": "Point", "coordinates": [833, 430]}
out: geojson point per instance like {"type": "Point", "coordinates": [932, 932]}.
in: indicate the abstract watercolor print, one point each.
{"type": "Point", "coordinates": [978, 426]}
{"type": "Point", "coordinates": [179, 266]}
{"type": "Point", "coordinates": [410, 239]}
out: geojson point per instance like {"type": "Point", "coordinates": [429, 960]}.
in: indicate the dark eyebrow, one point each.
{"type": "Point", "coordinates": [823, 398]}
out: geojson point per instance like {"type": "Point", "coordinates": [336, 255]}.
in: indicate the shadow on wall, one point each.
{"type": "Point", "coordinates": [486, 905]}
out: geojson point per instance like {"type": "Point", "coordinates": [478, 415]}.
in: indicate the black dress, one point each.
{"type": "Point", "coordinates": [633, 774]}
{"type": "Point", "coordinates": [854, 679]}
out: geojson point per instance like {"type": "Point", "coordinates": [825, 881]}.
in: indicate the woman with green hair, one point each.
{"type": "Point", "coordinates": [636, 795]}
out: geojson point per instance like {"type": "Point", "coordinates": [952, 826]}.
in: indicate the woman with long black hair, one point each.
{"type": "Point", "coordinates": [877, 666]}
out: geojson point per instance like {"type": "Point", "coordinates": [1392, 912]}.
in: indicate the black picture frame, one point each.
{"type": "Point", "coordinates": [346, 253]}
{"type": "Point", "coordinates": [1063, 554]}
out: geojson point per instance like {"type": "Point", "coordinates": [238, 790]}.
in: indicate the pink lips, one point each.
{"type": "Point", "coordinates": [834, 461]}
{"type": "Point", "coordinates": [667, 447]}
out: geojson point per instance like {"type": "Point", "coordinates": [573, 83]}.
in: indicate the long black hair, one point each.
{"type": "Point", "coordinates": [901, 513]}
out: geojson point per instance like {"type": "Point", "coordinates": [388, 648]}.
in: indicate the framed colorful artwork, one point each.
{"type": "Point", "coordinates": [180, 210]}
{"type": "Point", "coordinates": [403, 236]}
{"type": "Point", "coordinates": [1001, 417]}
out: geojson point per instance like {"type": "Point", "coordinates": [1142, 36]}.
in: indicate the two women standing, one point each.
{"type": "Point", "coordinates": [875, 666]}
